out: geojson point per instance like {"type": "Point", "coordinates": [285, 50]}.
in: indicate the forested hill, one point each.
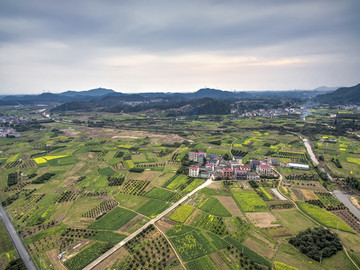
{"type": "Point", "coordinates": [343, 95]}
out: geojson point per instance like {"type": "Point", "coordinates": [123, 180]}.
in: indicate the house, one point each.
{"type": "Point", "coordinates": [234, 164]}
{"type": "Point", "coordinates": [227, 173]}
{"type": "Point", "coordinates": [274, 162]}
{"type": "Point", "coordinates": [265, 169]}
{"type": "Point", "coordinates": [254, 164]}
{"type": "Point", "coordinates": [245, 167]}
{"type": "Point", "coordinates": [252, 176]}
{"type": "Point", "coordinates": [237, 159]}
{"type": "Point", "coordinates": [194, 171]}
{"type": "Point", "coordinates": [209, 167]}
{"type": "Point", "coordinates": [197, 156]}
{"type": "Point", "coordinates": [240, 174]}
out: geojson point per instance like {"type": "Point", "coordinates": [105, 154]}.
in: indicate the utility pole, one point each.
{"type": "Point", "coordinates": [320, 257]}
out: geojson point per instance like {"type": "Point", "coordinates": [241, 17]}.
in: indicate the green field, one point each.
{"type": "Point", "coordinates": [182, 213]}
{"type": "Point", "coordinates": [108, 236]}
{"type": "Point", "coordinates": [177, 182]}
{"type": "Point", "coordinates": [113, 220]}
{"type": "Point", "coordinates": [153, 207]}
{"type": "Point", "coordinates": [80, 260]}
{"type": "Point", "coordinates": [324, 217]}
{"type": "Point", "coordinates": [214, 206]}
{"type": "Point", "coordinates": [249, 201]}
{"type": "Point", "coordinates": [192, 245]}
{"type": "Point", "coordinates": [203, 263]}
{"type": "Point", "coordinates": [160, 194]}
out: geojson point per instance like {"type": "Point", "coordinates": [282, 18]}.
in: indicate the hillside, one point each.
{"type": "Point", "coordinates": [343, 95]}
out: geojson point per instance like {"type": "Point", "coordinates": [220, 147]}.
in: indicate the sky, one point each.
{"type": "Point", "coordinates": [177, 46]}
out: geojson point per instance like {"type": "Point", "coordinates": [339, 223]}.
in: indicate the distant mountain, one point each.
{"type": "Point", "coordinates": [343, 95]}
{"type": "Point", "coordinates": [326, 88]}
{"type": "Point", "coordinates": [92, 93]}
{"type": "Point", "coordinates": [219, 94]}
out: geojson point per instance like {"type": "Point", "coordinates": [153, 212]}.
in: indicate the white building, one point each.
{"type": "Point", "coordinates": [194, 171]}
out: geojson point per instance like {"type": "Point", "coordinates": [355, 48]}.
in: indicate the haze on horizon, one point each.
{"type": "Point", "coordinates": [177, 46]}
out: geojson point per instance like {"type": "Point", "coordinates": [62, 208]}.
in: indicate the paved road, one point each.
{"type": "Point", "coordinates": [24, 254]}
{"type": "Point", "coordinates": [131, 236]}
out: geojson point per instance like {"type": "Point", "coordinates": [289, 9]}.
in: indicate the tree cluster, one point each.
{"type": "Point", "coordinates": [353, 182]}
{"type": "Point", "coordinates": [317, 243]}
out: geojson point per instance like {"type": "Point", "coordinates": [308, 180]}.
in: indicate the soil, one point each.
{"type": "Point", "coordinates": [109, 261]}
{"type": "Point", "coordinates": [230, 205]}
{"type": "Point", "coordinates": [164, 225]}
{"type": "Point", "coordinates": [263, 219]}
{"type": "Point", "coordinates": [52, 255]}
{"type": "Point", "coordinates": [355, 202]}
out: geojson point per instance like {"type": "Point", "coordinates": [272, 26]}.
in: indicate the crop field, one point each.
{"type": "Point", "coordinates": [113, 220]}
{"type": "Point", "coordinates": [213, 206]}
{"type": "Point", "coordinates": [160, 194]}
{"type": "Point", "coordinates": [324, 217]}
{"type": "Point", "coordinates": [153, 207]}
{"type": "Point", "coordinates": [210, 223]}
{"type": "Point", "coordinates": [80, 260]}
{"type": "Point", "coordinates": [179, 181]}
{"type": "Point", "coordinates": [182, 213]}
{"type": "Point", "coordinates": [192, 245]}
{"type": "Point", "coordinates": [73, 187]}
{"type": "Point", "coordinates": [249, 201]}
{"type": "Point", "coordinates": [201, 263]}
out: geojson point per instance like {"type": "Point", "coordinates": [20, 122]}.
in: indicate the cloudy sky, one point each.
{"type": "Point", "coordinates": [173, 45]}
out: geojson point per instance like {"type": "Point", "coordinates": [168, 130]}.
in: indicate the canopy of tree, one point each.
{"type": "Point", "coordinates": [317, 243]}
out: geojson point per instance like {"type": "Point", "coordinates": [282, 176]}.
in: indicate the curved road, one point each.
{"type": "Point", "coordinates": [19, 245]}
{"type": "Point", "coordinates": [131, 236]}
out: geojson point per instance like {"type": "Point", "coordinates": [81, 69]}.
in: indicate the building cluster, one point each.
{"type": "Point", "coordinates": [220, 168]}
{"type": "Point", "coordinates": [13, 120]}
{"type": "Point", "coordinates": [8, 132]}
{"type": "Point", "coordinates": [272, 112]}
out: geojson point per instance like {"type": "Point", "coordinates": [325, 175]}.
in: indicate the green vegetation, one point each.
{"type": "Point", "coordinates": [108, 236]}
{"type": "Point", "coordinates": [182, 213]}
{"type": "Point", "coordinates": [317, 243]}
{"type": "Point", "coordinates": [323, 217]}
{"type": "Point", "coordinates": [203, 263]}
{"type": "Point", "coordinates": [213, 206]}
{"type": "Point", "coordinates": [107, 171]}
{"type": "Point", "coordinates": [283, 266]}
{"type": "Point", "coordinates": [113, 220]}
{"type": "Point", "coordinates": [249, 201]}
{"type": "Point", "coordinates": [160, 194]}
{"type": "Point", "coordinates": [152, 208]}
{"type": "Point", "coordinates": [80, 260]}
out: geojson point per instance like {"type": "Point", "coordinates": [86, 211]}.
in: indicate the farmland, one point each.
{"type": "Point", "coordinates": [80, 189]}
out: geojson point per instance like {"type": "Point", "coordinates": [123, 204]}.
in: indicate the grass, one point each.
{"type": "Point", "coordinates": [178, 230]}
{"type": "Point", "coordinates": [80, 260]}
{"type": "Point", "coordinates": [267, 195]}
{"type": "Point", "coordinates": [159, 193]}
{"type": "Point", "coordinates": [129, 164]}
{"type": "Point", "coordinates": [293, 220]}
{"type": "Point", "coordinates": [130, 201]}
{"type": "Point", "coordinates": [107, 236]}
{"type": "Point", "coordinates": [177, 182]}
{"type": "Point", "coordinates": [214, 206]}
{"type": "Point", "coordinates": [5, 241]}
{"type": "Point", "coordinates": [324, 217]}
{"type": "Point", "coordinates": [152, 208]}
{"type": "Point", "coordinates": [114, 219]}
{"type": "Point", "coordinates": [182, 213]}
{"type": "Point", "coordinates": [354, 160]}
{"type": "Point", "coordinates": [203, 263]}
{"type": "Point", "coordinates": [192, 245]}
{"type": "Point", "coordinates": [283, 266]}
{"type": "Point", "coordinates": [249, 201]}
{"type": "Point", "coordinates": [194, 184]}
{"type": "Point", "coordinates": [107, 171]}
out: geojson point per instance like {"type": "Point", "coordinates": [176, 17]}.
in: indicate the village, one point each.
{"type": "Point", "coordinates": [220, 169]}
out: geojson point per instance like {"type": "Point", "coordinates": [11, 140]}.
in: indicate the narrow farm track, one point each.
{"type": "Point", "coordinates": [151, 222]}
{"type": "Point", "coordinates": [303, 213]}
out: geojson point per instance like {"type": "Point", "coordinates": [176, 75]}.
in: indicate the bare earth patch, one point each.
{"type": "Point", "coordinates": [355, 202]}
{"type": "Point", "coordinates": [262, 219]}
{"type": "Point", "coordinates": [165, 224]}
{"type": "Point", "coordinates": [230, 205]}
{"type": "Point", "coordinates": [118, 255]}
{"type": "Point", "coordinates": [309, 195]}
{"type": "Point", "coordinates": [52, 255]}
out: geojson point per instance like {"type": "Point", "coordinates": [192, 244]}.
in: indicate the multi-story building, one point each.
{"type": "Point", "coordinates": [194, 171]}
{"type": "Point", "coordinates": [227, 173]}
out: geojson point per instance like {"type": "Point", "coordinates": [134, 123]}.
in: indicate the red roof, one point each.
{"type": "Point", "coordinates": [210, 165]}
{"type": "Point", "coordinates": [202, 153]}
{"type": "Point", "coordinates": [246, 166]}
{"type": "Point", "coordinates": [265, 167]}
{"type": "Point", "coordinates": [240, 171]}
{"type": "Point", "coordinates": [194, 168]}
